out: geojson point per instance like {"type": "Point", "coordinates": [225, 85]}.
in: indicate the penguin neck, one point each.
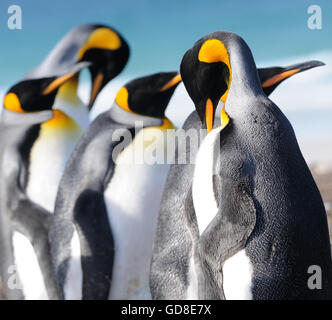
{"type": "Point", "coordinates": [122, 116]}
{"type": "Point", "coordinates": [68, 91]}
{"type": "Point", "coordinates": [245, 83]}
{"type": "Point", "coordinates": [68, 101]}
{"type": "Point", "coordinates": [24, 119]}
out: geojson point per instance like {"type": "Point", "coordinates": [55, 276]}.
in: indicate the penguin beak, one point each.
{"type": "Point", "coordinates": [209, 114]}
{"type": "Point", "coordinates": [97, 85]}
{"type": "Point", "coordinates": [286, 72]}
{"type": "Point", "coordinates": [59, 81]}
{"type": "Point", "coordinates": [174, 81]}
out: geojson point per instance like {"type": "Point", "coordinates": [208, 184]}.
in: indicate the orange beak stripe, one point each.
{"type": "Point", "coordinates": [209, 114]}
{"type": "Point", "coordinates": [279, 77]}
{"type": "Point", "coordinates": [95, 88]}
{"type": "Point", "coordinates": [57, 83]}
{"type": "Point", "coordinates": [171, 83]}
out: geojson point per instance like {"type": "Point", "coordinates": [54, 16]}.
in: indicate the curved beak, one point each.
{"type": "Point", "coordinates": [272, 77]}
{"type": "Point", "coordinates": [61, 79]}
{"type": "Point", "coordinates": [97, 86]}
{"type": "Point", "coordinates": [174, 81]}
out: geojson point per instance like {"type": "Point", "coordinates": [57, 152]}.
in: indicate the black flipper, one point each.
{"type": "Point", "coordinates": [80, 206]}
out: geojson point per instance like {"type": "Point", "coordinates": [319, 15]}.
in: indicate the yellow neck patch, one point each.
{"type": "Point", "coordinates": [167, 124]}
{"type": "Point", "coordinates": [224, 118]}
{"type": "Point", "coordinates": [69, 90]}
{"type": "Point", "coordinates": [102, 38]}
{"type": "Point", "coordinates": [122, 99]}
{"type": "Point", "coordinates": [60, 121]}
{"type": "Point", "coordinates": [12, 102]}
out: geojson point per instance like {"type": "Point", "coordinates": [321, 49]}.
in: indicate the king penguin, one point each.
{"type": "Point", "coordinates": [106, 50]}
{"type": "Point", "coordinates": [51, 85]}
{"type": "Point", "coordinates": [108, 200]}
{"type": "Point", "coordinates": [36, 142]}
{"type": "Point", "coordinates": [247, 220]}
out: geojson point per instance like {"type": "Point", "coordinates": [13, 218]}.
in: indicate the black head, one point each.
{"type": "Point", "coordinates": [149, 95]}
{"type": "Point", "coordinates": [206, 73]}
{"type": "Point", "coordinates": [108, 53]}
{"type": "Point", "coordinates": [34, 94]}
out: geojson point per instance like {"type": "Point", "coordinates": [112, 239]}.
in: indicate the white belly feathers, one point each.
{"type": "Point", "coordinates": [50, 152]}
{"type": "Point", "coordinates": [29, 272]}
{"type": "Point", "coordinates": [132, 198]}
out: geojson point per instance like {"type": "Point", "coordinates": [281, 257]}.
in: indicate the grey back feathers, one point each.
{"type": "Point", "coordinates": [64, 55]}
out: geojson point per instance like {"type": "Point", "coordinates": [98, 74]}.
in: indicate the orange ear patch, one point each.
{"type": "Point", "coordinates": [122, 99]}
{"type": "Point", "coordinates": [12, 102]}
{"type": "Point", "coordinates": [213, 50]}
{"type": "Point", "coordinates": [102, 38]}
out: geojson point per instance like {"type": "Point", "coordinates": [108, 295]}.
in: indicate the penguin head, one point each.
{"type": "Point", "coordinates": [273, 76]}
{"type": "Point", "coordinates": [150, 95]}
{"type": "Point", "coordinates": [33, 95]}
{"type": "Point", "coordinates": [206, 73]}
{"type": "Point", "coordinates": [108, 53]}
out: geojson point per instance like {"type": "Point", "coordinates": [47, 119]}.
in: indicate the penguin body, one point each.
{"type": "Point", "coordinates": [51, 85]}
{"type": "Point", "coordinates": [115, 194]}
{"type": "Point", "coordinates": [23, 222]}
{"type": "Point", "coordinates": [39, 146]}
{"type": "Point", "coordinates": [250, 219]}
{"type": "Point", "coordinates": [131, 259]}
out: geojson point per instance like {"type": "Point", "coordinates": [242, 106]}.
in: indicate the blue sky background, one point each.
{"type": "Point", "coordinates": [159, 32]}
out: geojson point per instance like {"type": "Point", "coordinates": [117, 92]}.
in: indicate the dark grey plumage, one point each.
{"type": "Point", "coordinates": [17, 212]}
{"type": "Point", "coordinates": [268, 202]}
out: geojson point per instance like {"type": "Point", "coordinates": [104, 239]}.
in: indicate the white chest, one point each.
{"type": "Point", "coordinates": [76, 110]}
{"type": "Point", "coordinates": [133, 198]}
{"type": "Point", "coordinates": [204, 200]}
{"type": "Point", "coordinates": [27, 267]}
{"type": "Point", "coordinates": [48, 158]}
{"type": "Point", "coordinates": [237, 277]}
